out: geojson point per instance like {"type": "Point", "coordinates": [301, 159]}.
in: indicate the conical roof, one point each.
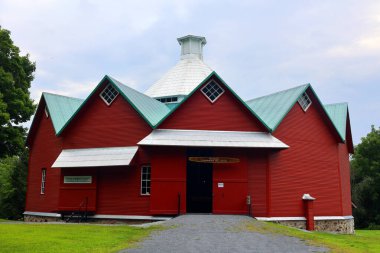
{"type": "Point", "coordinates": [181, 79]}
{"type": "Point", "coordinates": [186, 74]}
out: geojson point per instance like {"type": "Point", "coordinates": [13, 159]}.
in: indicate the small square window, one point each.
{"type": "Point", "coordinates": [304, 101]}
{"type": "Point", "coordinates": [109, 94]}
{"type": "Point", "coordinates": [212, 91]}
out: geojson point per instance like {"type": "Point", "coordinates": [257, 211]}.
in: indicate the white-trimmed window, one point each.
{"type": "Point", "coordinates": [43, 181]}
{"type": "Point", "coordinates": [304, 101]}
{"type": "Point", "coordinates": [109, 94]}
{"type": "Point", "coordinates": [212, 91]}
{"type": "Point", "coordinates": [145, 180]}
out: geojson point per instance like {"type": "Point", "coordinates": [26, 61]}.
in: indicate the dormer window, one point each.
{"type": "Point", "coordinates": [304, 101]}
{"type": "Point", "coordinates": [109, 94]}
{"type": "Point", "coordinates": [212, 91]}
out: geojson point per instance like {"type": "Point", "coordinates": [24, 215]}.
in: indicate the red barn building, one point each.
{"type": "Point", "coordinates": [190, 144]}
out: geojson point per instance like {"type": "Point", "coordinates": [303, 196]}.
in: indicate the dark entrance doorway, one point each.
{"type": "Point", "coordinates": [199, 183]}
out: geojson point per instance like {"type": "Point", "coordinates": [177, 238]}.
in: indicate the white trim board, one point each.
{"type": "Point", "coordinates": [103, 216]}
{"type": "Point", "coordinates": [128, 217]}
{"type": "Point", "coordinates": [303, 218]}
{"type": "Point", "coordinates": [56, 215]}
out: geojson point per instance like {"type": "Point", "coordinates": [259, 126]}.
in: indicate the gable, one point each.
{"type": "Point", "coordinates": [149, 109]}
{"type": "Point", "coordinates": [100, 125]}
{"type": "Point", "coordinates": [312, 125]}
{"type": "Point", "coordinates": [227, 112]}
{"type": "Point", "coordinates": [274, 107]}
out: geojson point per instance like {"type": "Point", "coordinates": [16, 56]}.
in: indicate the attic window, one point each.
{"type": "Point", "coordinates": [168, 100]}
{"type": "Point", "coordinates": [46, 112]}
{"type": "Point", "coordinates": [109, 94]}
{"type": "Point", "coordinates": [304, 101]}
{"type": "Point", "coordinates": [212, 91]}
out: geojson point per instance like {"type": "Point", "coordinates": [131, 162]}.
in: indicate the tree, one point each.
{"type": "Point", "coordinates": [365, 176]}
{"type": "Point", "coordinates": [13, 173]}
{"type": "Point", "coordinates": [16, 106]}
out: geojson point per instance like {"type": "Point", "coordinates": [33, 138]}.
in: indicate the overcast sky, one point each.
{"type": "Point", "coordinates": [257, 47]}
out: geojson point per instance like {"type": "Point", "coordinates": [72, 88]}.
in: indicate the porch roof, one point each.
{"type": "Point", "coordinates": [205, 138]}
{"type": "Point", "coordinates": [95, 157]}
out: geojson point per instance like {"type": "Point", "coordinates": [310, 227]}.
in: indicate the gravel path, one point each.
{"type": "Point", "coordinates": [217, 233]}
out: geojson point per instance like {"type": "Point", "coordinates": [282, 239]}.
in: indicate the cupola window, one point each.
{"type": "Point", "coordinates": [109, 94]}
{"type": "Point", "coordinates": [304, 101]}
{"type": "Point", "coordinates": [212, 91]}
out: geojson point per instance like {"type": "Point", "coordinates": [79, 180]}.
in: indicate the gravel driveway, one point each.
{"type": "Point", "coordinates": [217, 233]}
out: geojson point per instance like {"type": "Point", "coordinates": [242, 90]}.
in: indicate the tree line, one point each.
{"type": "Point", "coordinates": [16, 107]}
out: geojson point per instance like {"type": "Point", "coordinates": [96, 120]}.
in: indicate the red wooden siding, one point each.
{"type": "Point", "coordinates": [99, 125]}
{"type": "Point", "coordinates": [72, 195]}
{"type": "Point", "coordinates": [226, 113]}
{"type": "Point", "coordinates": [257, 178]}
{"type": "Point", "coordinates": [168, 179]}
{"type": "Point", "coordinates": [231, 199]}
{"type": "Point", "coordinates": [310, 165]}
{"type": "Point", "coordinates": [119, 191]}
{"type": "Point", "coordinates": [44, 149]}
{"type": "Point", "coordinates": [345, 177]}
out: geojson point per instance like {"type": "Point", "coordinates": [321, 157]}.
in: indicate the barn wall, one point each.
{"type": "Point", "coordinates": [118, 191]}
{"type": "Point", "coordinates": [168, 180]}
{"type": "Point", "coordinates": [99, 125]}
{"type": "Point", "coordinates": [44, 149]}
{"type": "Point", "coordinates": [310, 165]}
{"type": "Point", "coordinates": [345, 177]}
{"type": "Point", "coordinates": [231, 199]}
{"type": "Point", "coordinates": [257, 181]}
{"type": "Point", "coordinates": [73, 196]}
{"type": "Point", "coordinates": [198, 113]}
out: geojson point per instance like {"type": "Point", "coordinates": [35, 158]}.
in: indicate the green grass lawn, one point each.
{"type": "Point", "coordinates": [68, 237]}
{"type": "Point", "coordinates": [361, 241]}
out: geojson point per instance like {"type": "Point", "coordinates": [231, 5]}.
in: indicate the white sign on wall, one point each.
{"type": "Point", "coordinates": [220, 185]}
{"type": "Point", "coordinates": [77, 179]}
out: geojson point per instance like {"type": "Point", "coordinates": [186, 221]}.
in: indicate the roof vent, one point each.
{"type": "Point", "coordinates": [192, 46]}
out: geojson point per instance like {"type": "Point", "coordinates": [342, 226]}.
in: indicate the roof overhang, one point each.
{"type": "Point", "coordinates": [95, 157]}
{"type": "Point", "coordinates": [204, 138]}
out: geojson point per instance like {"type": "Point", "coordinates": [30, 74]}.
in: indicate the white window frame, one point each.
{"type": "Point", "coordinates": [105, 101]}
{"type": "Point", "coordinates": [209, 99]}
{"type": "Point", "coordinates": [302, 98]}
{"type": "Point", "coordinates": [147, 193]}
{"type": "Point", "coordinates": [43, 181]}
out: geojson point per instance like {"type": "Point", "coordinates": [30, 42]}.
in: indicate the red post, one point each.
{"type": "Point", "coordinates": [309, 211]}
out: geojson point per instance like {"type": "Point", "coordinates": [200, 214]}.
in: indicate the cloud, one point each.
{"type": "Point", "coordinates": [258, 47]}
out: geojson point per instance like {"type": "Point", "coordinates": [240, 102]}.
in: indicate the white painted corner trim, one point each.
{"type": "Point", "coordinates": [55, 215]}
{"type": "Point", "coordinates": [303, 218]}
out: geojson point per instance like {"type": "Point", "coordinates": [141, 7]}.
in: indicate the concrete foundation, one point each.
{"type": "Point", "coordinates": [32, 218]}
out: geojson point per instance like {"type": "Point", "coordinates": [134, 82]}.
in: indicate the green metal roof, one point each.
{"type": "Point", "coordinates": [338, 115]}
{"type": "Point", "coordinates": [274, 107]}
{"type": "Point", "coordinates": [60, 108]}
{"type": "Point", "coordinates": [149, 108]}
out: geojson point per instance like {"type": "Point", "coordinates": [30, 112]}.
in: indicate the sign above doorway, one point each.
{"type": "Point", "coordinates": [213, 159]}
